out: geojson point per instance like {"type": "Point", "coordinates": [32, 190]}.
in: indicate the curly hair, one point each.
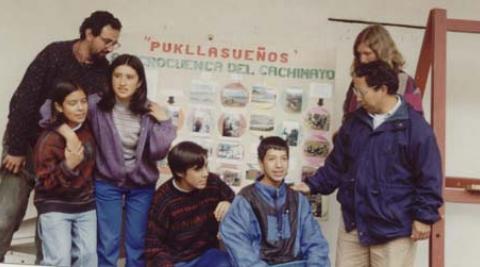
{"type": "Point", "coordinates": [378, 73]}
{"type": "Point", "coordinates": [97, 21]}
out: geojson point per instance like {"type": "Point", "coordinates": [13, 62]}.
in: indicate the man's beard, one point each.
{"type": "Point", "coordinates": [100, 56]}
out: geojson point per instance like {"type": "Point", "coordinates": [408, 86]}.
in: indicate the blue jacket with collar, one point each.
{"type": "Point", "coordinates": [241, 232]}
{"type": "Point", "coordinates": [386, 177]}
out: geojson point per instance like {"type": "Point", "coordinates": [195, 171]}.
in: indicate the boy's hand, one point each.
{"type": "Point", "coordinates": [301, 187]}
{"type": "Point", "coordinates": [221, 210]}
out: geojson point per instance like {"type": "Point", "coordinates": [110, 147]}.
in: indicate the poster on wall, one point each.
{"type": "Point", "coordinates": [262, 123]}
{"type": "Point", "coordinates": [234, 95]}
{"type": "Point", "coordinates": [232, 125]}
{"type": "Point", "coordinates": [230, 174]}
{"type": "Point", "coordinates": [317, 202]}
{"type": "Point", "coordinates": [227, 97]}
{"type": "Point", "coordinates": [202, 93]}
{"type": "Point", "coordinates": [176, 113]}
{"type": "Point", "coordinates": [201, 121]}
{"type": "Point", "coordinates": [316, 148]}
{"type": "Point", "coordinates": [263, 97]}
{"type": "Point", "coordinates": [318, 117]}
{"type": "Point", "coordinates": [230, 151]}
{"type": "Point", "coordinates": [293, 100]}
{"type": "Point", "coordinates": [291, 132]}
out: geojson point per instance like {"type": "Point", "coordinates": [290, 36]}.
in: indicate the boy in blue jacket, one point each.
{"type": "Point", "coordinates": [386, 166]}
{"type": "Point", "coordinates": [269, 224]}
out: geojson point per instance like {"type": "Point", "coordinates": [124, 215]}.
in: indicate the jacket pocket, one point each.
{"type": "Point", "coordinates": [397, 202]}
{"type": "Point", "coordinates": [346, 190]}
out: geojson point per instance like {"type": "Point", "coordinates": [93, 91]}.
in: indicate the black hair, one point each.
{"type": "Point", "coordinates": [186, 155]}
{"type": "Point", "coordinates": [59, 93]}
{"type": "Point", "coordinates": [378, 73]}
{"type": "Point", "coordinates": [271, 142]}
{"type": "Point", "coordinates": [138, 103]}
{"type": "Point", "coordinates": [97, 21]}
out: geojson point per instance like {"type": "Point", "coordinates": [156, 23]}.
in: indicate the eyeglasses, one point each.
{"type": "Point", "coordinates": [359, 92]}
{"type": "Point", "coordinates": [110, 43]}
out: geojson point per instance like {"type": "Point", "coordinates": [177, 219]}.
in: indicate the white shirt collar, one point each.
{"type": "Point", "coordinates": [378, 119]}
{"type": "Point", "coordinates": [178, 187]}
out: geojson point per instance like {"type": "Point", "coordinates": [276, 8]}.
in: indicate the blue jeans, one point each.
{"type": "Point", "coordinates": [210, 258]}
{"type": "Point", "coordinates": [111, 201]}
{"type": "Point", "coordinates": [14, 193]}
{"type": "Point", "coordinates": [69, 239]}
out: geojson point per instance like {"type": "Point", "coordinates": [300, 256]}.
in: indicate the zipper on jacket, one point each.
{"type": "Point", "coordinates": [278, 214]}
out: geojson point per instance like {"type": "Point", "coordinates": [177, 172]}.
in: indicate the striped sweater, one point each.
{"type": "Point", "coordinates": [59, 189]}
{"type": "Point", "coordinates": [181, 225]}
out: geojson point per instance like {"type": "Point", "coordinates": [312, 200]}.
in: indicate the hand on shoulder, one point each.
{"type": "Point", "coordinates": [301, 187]}
{"type": "Point", "coordinates": [221, 210]}
{"type": "Point", "coordinates": [159, 112]}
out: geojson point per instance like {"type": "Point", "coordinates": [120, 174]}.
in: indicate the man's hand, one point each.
{"type": "Point", "coordinates": [221, 210]}
{"type": "Point", "coordinates": [74, 156]}
{"type": "Point", "coordinates": [13, 163]}
{"type": "Point", "coordinates": [71, 138]}
{"type": "Point", "coordinates": [420, 230]}
{"type": "Point", "coordinates": [301, 187]}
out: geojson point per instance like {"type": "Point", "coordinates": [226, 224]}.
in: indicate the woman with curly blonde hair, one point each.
{"type": "Point", "coordinates": [375, 43]}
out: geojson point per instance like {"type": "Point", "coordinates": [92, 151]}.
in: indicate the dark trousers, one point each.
{"type": "Point", "coordinates": [14, 193]}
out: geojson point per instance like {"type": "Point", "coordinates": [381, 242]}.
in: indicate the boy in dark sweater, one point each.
{"type": "Point", "coordinates": [185, 213]}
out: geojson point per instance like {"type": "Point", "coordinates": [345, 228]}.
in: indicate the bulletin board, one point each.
{"type": "Point", "coordinates": [226, 97]}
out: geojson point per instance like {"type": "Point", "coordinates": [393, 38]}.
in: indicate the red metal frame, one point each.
{"type": "Point", "coordinates": [433, 58]}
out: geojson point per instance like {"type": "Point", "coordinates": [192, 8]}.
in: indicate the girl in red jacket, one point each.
{"type": "Point", "coordinates": [64, 188]}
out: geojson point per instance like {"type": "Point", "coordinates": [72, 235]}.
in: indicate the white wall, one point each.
{"type": "Point", "coordinates": [27, 26]}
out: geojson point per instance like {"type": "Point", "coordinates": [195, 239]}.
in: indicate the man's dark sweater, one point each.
{"type": "Point", "coordinates": [54, 63]}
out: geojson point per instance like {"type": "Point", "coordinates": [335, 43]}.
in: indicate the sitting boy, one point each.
{"type": "Point", "coordinates": [269, 224]}
{"type": "Point", "coordinates": [185, 213]}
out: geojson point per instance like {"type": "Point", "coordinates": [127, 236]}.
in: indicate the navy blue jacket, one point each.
{"type": "Point", "coordinates": [386, 177]}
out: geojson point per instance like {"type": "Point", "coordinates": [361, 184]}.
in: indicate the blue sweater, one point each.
{"type": "Point", "coordinates": [241, 232]}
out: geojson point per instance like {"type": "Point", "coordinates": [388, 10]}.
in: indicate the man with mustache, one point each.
{"type": "Point", "coordinates": [81, 60]}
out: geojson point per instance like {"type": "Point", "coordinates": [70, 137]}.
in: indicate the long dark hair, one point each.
{"type": "Point", "coordinates": [61, 91]}
{"type": "Point", "coordinates": [139, 99]}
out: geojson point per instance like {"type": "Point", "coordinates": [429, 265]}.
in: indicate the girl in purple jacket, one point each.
{"type": "Point", "coordinates": [132, 134]}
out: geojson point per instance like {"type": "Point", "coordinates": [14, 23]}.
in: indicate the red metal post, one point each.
{"type": "Point", "coordinates": [439, 41]}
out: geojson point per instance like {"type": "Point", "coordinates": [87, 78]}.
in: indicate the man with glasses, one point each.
{"type": "Point", "coordinates": [82, 61]}
{"type": "Point", "coordinates": [386, 166]}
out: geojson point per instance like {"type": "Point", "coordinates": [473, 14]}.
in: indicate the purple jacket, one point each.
{"type": "Point", "coordinates": [153, 145]}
